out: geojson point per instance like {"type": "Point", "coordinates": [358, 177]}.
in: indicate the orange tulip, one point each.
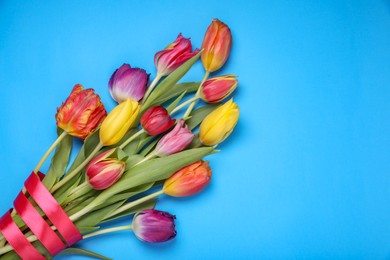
{"type": "Point", "coordinates": [189, 180]}
{"type": "Point", "coordinates": [81, 113]}
{"type": "Point", "coordinates": [216, 45]}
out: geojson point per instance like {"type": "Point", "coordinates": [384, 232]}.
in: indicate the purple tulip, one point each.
{"type": "Point", "coordinates": [174, 141]}
{"type": "Point", "coordinates": [127, 82]}
{"type": "Point", "coordinates": [153, 226]}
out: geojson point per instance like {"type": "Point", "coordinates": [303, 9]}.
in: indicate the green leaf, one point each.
{"type": "Point", "coordinates": [95, 217]}
{"type": "Point", "coordinates": [199, 114]}
{"type": "Point", "coordinates": [151, 171]}
{"type": "Point", "coordinates": [149, 147]}
{"type": "Point", "coordinates": [89, 144]}
{"type": "Point", "coordinates": [175, 102]}
{"type": "Point", "coordinates": [169, 82]}
{"type": "Point", "coordinates": [188, 87]}
{"type": "Point", "coordinates": [59, 161]}
{"type": "Point", "coordinates": [133, 160]}
{"type": "Point", "coordinates": [145, 205]}
{"type": "Point", "coordinates": [84, 252]}
{"type": "Point", "coordinates": [85, 230]}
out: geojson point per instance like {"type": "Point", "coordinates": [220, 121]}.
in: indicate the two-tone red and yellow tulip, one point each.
{"type": "Point", "coordinates": [216, 89]}
{"type": "Point", "coordinates": [156, 120]}
{"type": "Point", "coordinates": [153, 226]}
{"type": "Point", "coordinates": [81, 113]}
{"type": "Point", "coordinates": [175, 141]}
{"type": "Point", "coordinates": [118, 122]}
{"type": "Point", "coordinates": [127, 82]}
{"type": "Point", "coordinates": [216, 45]}
{"type": "Point", "coordinates": [189, 180]}
{"type": "Point", "coordinates": [174, 55]}
{"type": "Point", "coordinates": [102, 172]}
{"type": "Point", "coordinates": [219, 124]}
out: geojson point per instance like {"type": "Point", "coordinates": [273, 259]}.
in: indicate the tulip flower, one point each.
{"type": "Point", "coordinates": [156, 120]}
{"type": "Point", "coordinates": [103, 172]}
{"type": "Point", "coordinates": [174, 141]}
{"type": "Point", "coordinates": [189, 180]}
{"type": "Point", "coordinates": [217, 89]}
{"type": "Point", "coordinates": [127, 82]}
{"type": "Point", "coordinates": [118, 122]}
{"type": "Point", "coordinates": [153, 226]}
{"type": "Point", "coordinates": [218, 125]}
{"type": "Point", "coordinates": [81, 113]}
{"type": "Point", "coordinates": [174, 55]}
{"type": "Point", "coordinates": [216, 45]}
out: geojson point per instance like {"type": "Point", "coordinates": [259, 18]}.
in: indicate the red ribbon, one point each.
{"type": "Point", "coordinates": [52, 209]}
{"type": "Point", "coordinates": [17, 240]}
{"type": "Point", "coordinates": [41, 229]}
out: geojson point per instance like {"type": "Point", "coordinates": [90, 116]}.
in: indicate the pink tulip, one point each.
{"type": "Point", "coordinates": [174, 55]}
{"type": "Point", "coordinates": [174, 141]}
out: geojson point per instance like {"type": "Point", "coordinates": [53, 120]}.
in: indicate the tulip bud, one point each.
{"type": "Point", "coordinates": [156, 120]}
{"type": "Point", "coordinates": [217, 89]}
{"type": "Point", "coordinates": [118, 122]}
{"type": "Point", "coordinates": [218, 125]}
{"type": "Point", "coordinates": [81, 113]}
{"type": "Point", "coordinates": [189, 180]}
{"type": "Point", "coordinates": [174, 55]}
{"type": "Point", "coordinates": [103, 172]}
{"type": "Point", "coordinates": [127, 82]}
{"type": "Point", "coordinates": [216, 45]}
{"type": "Point", "coordinates": [174, 141]}
{"type": "Point", "coordinates": [153, 226]}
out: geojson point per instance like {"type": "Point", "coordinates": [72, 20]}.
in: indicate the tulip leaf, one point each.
{"type": "Point", "coordinates": [149, 148]}
{"type": "Point", "coordinates": [85, 230]}
{"type": "Point", "coordinates": [59, 161]}
{"type": "Point", "coordinates": [195, 142]}
{"type": "Point", "coordinates": [189, 87]}
{"type": "Point", "coordinates": [149, 204]}
{"type": "Point", "coordinates": [175, 102]}
{"type": "Point", "coordinates": [89, 145]}
{"type": "Point", "coordinates": [84, 252]}
{"type": "Point", "coordinates": [133, 160]}
{"type": "Point", "coordinates": [199, 114]}
{"type": "Point", "coordinates": [151, 171]}
{"type": "Point", "coordinates": [95, 217]}
{"type": "Point", "coordinates": [169, 82]}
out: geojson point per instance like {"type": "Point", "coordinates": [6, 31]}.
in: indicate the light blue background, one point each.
{"type": "Point", "coordinates": [306, 172]}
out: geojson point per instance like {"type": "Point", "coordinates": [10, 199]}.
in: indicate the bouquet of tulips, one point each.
{"type": "Point", "coordinates": [138, 148]}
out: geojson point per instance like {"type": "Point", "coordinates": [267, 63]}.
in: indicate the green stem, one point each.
{"type": "Point", "coordinates": [48, 152]}
{"type": "Point", "coordinates": [77, 192]}
{"type": "Point", "coordinates": [135, 203]}
{"type": "Point", "coordinates": [108, 230]}
{"type": "Point", "coordinates": [189, 109]}
{"type": "Point", "coordinates": [131, 138]}
{"type": "Point", "coordinates": [184, 104]}
{"type": "Point", "coordinates": [151, 87]}
{"type": "Point", "coordinates": [77, 170]}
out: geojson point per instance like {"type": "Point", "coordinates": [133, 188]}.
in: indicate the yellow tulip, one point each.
{"type": "Point", "coordinates": [218, 125]}
{"type": "Point", "coordinates": [118, 122]}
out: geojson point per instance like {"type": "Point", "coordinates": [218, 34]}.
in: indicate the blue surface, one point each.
{"type": "Point", "coordinates": [306, 172]}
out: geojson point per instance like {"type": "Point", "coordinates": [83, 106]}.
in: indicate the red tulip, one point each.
{"type": "Point", "coordinates": [103, 172]}
{"type": "Point", "coordinates": [156, 120]}
{"type": "Point", "coordinates": [217, 89]}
